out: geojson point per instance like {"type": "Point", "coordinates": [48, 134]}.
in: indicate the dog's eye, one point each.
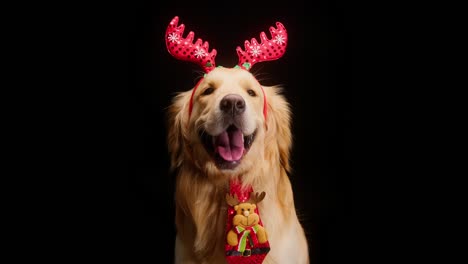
{"type": "Point", "coordinates": [208, 91]}
{"type": "Point", "coordinates": [251, 92]}
{"type": "Point", "coordinates": [242, 209]}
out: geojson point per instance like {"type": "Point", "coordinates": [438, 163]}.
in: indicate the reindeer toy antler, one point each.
{"type": "Point", "coordinates": [254, 198]}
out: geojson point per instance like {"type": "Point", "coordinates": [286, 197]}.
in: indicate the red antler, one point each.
{"type": "Point", "coordinates": [267, 49]}
{"type": "Point", "coordinates": [184, 49]}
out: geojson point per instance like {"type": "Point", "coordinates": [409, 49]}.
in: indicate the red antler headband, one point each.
{"type": "Point", "coordinates": [198, 53]}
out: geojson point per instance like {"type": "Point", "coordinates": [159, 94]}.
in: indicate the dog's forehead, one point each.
{"type": "Point", "coordinates": [229, 75]}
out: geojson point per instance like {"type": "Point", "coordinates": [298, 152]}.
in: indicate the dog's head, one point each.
{"type": "Point", "coordinates": [228, 121]}
{"type": "Point", "coordinates": [227, 116]}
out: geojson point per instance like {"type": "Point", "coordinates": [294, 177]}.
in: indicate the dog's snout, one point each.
{"type": "Point", "coordinates": [232, 104]}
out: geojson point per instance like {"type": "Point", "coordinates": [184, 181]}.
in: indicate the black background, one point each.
{"type": "Point", "coordinates": [130, 60]}
{"type": "Point", "coordinates": [317, 74]}
{"type": "Point", "coordinates": [93, 80]}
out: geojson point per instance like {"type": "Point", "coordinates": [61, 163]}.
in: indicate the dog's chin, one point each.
{"type": "Point", "coordinates": [228, 148]}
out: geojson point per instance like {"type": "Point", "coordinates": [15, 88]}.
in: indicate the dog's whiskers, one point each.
{"type": "Point", "coordinates": [199, 74]}
{"type": "Point", "coordinates": [199, 127]}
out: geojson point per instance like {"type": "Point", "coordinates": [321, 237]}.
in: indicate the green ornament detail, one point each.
{"type": "Point", "coordinates": [204, 75]}
{"type": "Point", "coordinates": [246, 65]}
{"type": "Point", "coordinates": [237, 66]}
{"type": "Point", "coordinates": [208, 64]}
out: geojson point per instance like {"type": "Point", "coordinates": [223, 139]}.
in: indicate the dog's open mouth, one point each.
{"type": "Point", "coordinates": [229, 147]}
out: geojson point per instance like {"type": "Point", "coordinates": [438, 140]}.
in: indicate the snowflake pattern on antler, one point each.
{"type": "Point", "coordinates": [199, 53]}
{"type": "Point", "coordinates": [255, 50]}
{"type": "Point", "coordinates": [279, 40]}
{"type": "Point", "coordinates": [173, 37]}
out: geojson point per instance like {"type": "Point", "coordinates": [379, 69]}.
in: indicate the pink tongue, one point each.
{"type": "Point", "coordinates": [230, 144]}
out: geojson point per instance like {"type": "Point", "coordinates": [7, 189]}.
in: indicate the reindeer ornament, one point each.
{"type": "Point", "coordinates": [246, 222]}
{"type": "Point", "coordinates": [246, 238]}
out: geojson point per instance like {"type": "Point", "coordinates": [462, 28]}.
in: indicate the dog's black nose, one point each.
{"type": "Point", "coordinates": [232, 104]}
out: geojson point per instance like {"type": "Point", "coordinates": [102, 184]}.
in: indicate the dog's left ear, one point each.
{"type": "Point", "coordinates": [177, 118]}
{"type": "Point", "coordinates": [279, 123]}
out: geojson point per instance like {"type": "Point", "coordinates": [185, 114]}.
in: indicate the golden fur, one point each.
{"type": "Point", "coordinates": [201, 186]}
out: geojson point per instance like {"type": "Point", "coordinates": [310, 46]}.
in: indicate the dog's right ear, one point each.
{"type": "Point", "coordinates": [177, 121]}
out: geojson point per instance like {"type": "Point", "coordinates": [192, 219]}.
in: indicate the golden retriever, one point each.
{"type": "Point", "coordinates": [220, 133]}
